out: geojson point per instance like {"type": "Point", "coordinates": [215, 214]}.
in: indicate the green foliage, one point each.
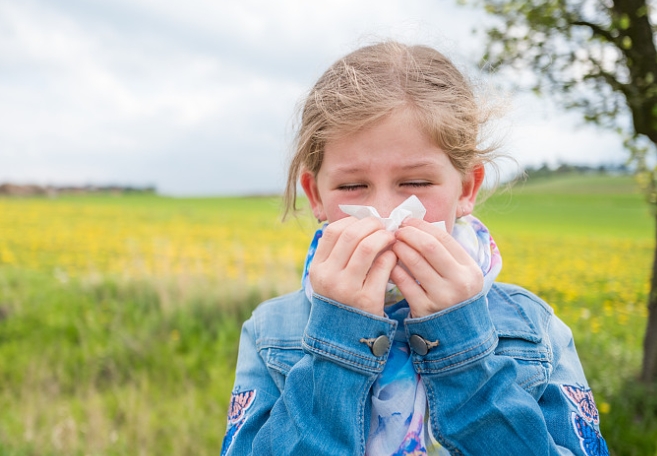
{"type": "Point", "coordinates": [595, 56]}
{"type": "Point", "coordinates": [633, 424]}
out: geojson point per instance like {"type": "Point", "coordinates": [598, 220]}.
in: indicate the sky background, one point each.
{"type": "Point", "coordinates": [199, 98]}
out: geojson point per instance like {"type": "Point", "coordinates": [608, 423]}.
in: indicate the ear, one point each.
{"type": "Point", "coordinates": [309, 185]}
{"type": "Point", "coordinates": [471, 184]}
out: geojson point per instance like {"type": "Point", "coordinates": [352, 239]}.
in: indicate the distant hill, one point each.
{"type": "Point", "coordinates": [8, 189]}
{"type": "Point", "coordinates": [575, 183]}
{"type": "Point", "coordinates": [567, 168]}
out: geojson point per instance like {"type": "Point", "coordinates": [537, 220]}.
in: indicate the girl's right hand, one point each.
{"type": "Point", "coordinates": [352, 264]}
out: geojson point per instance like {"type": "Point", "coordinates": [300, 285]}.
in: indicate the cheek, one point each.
{"type": "Point", "coordinates": [444, 211]}
{"type": "Point", "coordinates": [334, 214]}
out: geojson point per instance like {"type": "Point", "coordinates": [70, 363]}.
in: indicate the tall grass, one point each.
{"type": "Point", "coordinates": [112, 367]}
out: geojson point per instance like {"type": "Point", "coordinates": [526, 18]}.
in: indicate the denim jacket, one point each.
{"type": "Point", "coordinates": [504, 379]}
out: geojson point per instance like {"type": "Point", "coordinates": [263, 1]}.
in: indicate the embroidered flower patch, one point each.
{"type": "Point", "coordinates": [239, 404]}
{"type": "Point", "coordinates": [589, 438]}
{"type": "Point", "coordinates": [592, 443]}
{"type": "Point", "coordinates": [583, 399]}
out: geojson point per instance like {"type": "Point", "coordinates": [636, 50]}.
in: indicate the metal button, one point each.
{"type": "Point", "coordinates": [419, 345]}
{"type": "Point", "coordinates": [380, 346]}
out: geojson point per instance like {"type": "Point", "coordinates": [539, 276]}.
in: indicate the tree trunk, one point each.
{"type": "Point", "coordinates": [649, 368]}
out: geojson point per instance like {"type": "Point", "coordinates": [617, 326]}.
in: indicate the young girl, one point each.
{"type": "Point", "coordinates": [400, 341]}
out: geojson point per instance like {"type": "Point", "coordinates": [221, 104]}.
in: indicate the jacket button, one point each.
{"type": "Point", "coordinates": [380, 346]}
{"type": "Point", "coordinates": [418, 344]}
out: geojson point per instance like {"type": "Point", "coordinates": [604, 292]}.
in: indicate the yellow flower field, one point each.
{"type": "Point", "coordinates": [169, 238]}
{"type": "Point", "coordinates": [109, 357]}
{"type": "Point", "coordinates": [587, 279]}
{"type": "Point", "coordinates": [70, 238]}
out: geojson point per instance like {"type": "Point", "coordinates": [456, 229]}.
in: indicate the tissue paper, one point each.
{"type": "Point", "coordinates": [411, 207]}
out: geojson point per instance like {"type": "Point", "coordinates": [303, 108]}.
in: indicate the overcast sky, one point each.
{"type": "Point", "coordinates": [198, 97]}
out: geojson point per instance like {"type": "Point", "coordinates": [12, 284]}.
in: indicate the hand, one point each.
{"type": "Point", "coordinates": [442, 273]}
{"type": "Point", "coordinates": [353, 263]}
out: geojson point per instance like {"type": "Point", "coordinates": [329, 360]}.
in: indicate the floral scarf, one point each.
{"type": "Point", "coordinates": [399, 424]}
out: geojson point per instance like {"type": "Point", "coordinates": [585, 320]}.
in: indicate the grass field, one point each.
{"type": "Point", "coordinates": [119, 316]}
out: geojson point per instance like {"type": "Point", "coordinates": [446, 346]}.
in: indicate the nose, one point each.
{"type": "Point", "coordinates": [385, 202]}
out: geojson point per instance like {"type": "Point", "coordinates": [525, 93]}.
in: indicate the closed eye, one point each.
{"type": "Point", "coordinates": [352, 187]}
{"type": "Point", "coordinates": [417, 184]}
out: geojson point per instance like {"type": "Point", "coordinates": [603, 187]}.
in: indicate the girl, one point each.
{"type": "Point", "coordinates": [400, 341]}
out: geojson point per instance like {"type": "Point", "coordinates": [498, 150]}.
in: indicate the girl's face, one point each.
{"type": "Point", "coordinates": [384, 164]}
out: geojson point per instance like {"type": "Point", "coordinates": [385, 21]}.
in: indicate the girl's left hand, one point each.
{"type": "Point", "coordinates": [442, 274]}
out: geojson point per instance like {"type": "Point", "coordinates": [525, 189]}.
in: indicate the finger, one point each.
{"type": "Point", "coordinates": [451, 244]}
{"type": "Point", "coordinates": [366, 253]}
{"type": "Point", "coordinates": [417, 248]}
{"type": "Point", "coordinates": [413, 292]}
{"type": "Point", "coordinates": [379, 275]}
{"type": "Point", "coordinates": [330, 237]}
{"type": "Point", "coordinates": [442, 251]}
{"type": "Point", "coordinates": [350, 238]}
{"type": "Point", "coordinates": [420, 268]}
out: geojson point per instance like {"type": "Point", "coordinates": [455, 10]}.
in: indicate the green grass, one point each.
{"type": "Point", "coordinates": [581, 205]}
{"type": "Point", "coordinates": [105, 368]}
{"type": "Point", "coordinates": [103, 365]}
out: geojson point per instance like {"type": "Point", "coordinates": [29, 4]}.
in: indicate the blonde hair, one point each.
{"type": "Point", "coordinates": [371, 82]}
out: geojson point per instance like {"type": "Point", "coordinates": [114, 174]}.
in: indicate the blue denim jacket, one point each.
{"type": "Point", "coordinates": [504, 378]}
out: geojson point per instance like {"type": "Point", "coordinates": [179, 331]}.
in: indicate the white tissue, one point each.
{"type": "Point", "coordinates": [411, 207]}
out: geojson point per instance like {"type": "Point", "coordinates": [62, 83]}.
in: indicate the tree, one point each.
{"type": "Point", "coordinates": [597, 56]}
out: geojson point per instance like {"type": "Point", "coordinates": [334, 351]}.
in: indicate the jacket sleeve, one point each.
{"type": "Point", "coordinates": [567, 402]}
{"type": "Point", "coordinates": [476, 404]}
{"type": "Point", "coordinates": [322, 409]}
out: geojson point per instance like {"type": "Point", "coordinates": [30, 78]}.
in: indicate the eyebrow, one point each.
{"type": "Point", "coordinates": [422, 164]}
{"type": "Point", "coordinates": [354, 169]}
{"type": "Point", "coordinates": [346, 170]}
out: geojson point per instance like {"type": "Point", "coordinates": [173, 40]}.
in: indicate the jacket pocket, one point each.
{"type": "Point", "coordinates": [280, 357]}
{"type": "Point", "coordinates": [533, 362]}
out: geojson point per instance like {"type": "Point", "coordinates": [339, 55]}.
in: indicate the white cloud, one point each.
{"type": "Point", "coordinates": [195, 98]}
{"type": "Point", "coordinates": [540, 133]}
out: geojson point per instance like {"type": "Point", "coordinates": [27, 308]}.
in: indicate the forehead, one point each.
{"type": "Point", "coordinates": [396, 138]}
